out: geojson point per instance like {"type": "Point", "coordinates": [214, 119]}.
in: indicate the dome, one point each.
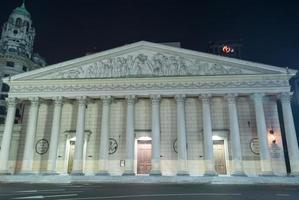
{"type": "Point", "coordinates": [21, 10]}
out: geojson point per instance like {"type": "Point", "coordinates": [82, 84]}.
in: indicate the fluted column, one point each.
{"type": "Point", "coordinates": [290, 133]}
{"type": "Point", "coordinates": [30, 136]}
{"type": "Point", "coordinates": [155, 135]}
{"type": "Point", "coordinates": [80, 131]}
{"type": "Point", "coordinates": [237, 165]}
{"type": "Point", "coordinates": [181, 135]}
{"type": "Point", "coordinates": [207, 135]}
{"type": "Point", "coordinates": [104, 141]}
{"type": "Point", "coordinates": [51, 169]}
{"type": "Point", "coordinates": [266, 168]}
{"type": "Point", "coordinates": [130, 142]}
{"type": "Point", "coordinates": [7, 135]}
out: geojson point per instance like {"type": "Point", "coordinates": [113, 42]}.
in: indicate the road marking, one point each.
{"type": "Point", "coordinates": [160, 195]}
{"type": "Point", "coordinates": [32, 191]}
{"type": "Point", "coordinates": [48, 196]}
{"type": "Point", "coordinates": [283, 195]}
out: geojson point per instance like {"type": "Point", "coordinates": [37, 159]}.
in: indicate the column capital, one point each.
{"type": "Point", "coordinates": [231, 98]}
{"type": "Point", "coordinates": [35, 101]}
{"type": "Point", "coordinates": [82, 100]}
{"type": "Point", "coordinates": [131, 99]}
{"type": "Point", "coordinates": [58, 101]}
{"type": "Point", "coordinates": [285, 97]}
{"type": "Point", "coordinates": [180, 97]}
{"type": "Point", "coordinates": [258, 96]}
{"type": "Point", "coordinates": [205, 98]}
{"type": "Point", "coordinates": [106, 99]}
{"type": "Point", "coordinates": [155, 98]}
{"type": "Point", "coordinates": [11, 101]}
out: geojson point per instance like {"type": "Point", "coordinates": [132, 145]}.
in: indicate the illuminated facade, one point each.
{"type": "Point", "coordinates": [147, 108]}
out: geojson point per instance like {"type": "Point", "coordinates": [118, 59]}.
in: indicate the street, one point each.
{"type": "Point", "coordinates": [147, 191]}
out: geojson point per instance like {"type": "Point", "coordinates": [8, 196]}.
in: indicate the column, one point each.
{"type": "Point", "coordinates": [80, 130]}
{"type": "Point", "coordinates": [237, 165]}
{"type": "Point", "coordinates": [104, 141]}
{"type": "Point", "coordinates": [30, 136]}
{"type": "Point", "coordinates": [266, 168]}
{"type": "Point", "coordinates": [7, 136]}
{"type": "Point", "coordinates": [155, 135]}
{"type": "Point", "coordinates": [207, 135]}
{"type": "Point", "coordinates": [130, 142]}
{"type": "Point", "coordinates": [290, 133]}
{"type": "Point", "coordinates": [55, 131]}
{"type": "Point", "coordinates": [181, 134]}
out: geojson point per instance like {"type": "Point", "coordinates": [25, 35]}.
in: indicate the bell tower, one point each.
{"type": "Point", "coordinates": [16, 51]}
{"type": "Point", "coordinates": [18, 33]}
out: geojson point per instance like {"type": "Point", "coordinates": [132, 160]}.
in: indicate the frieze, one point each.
{"type": "Point", "coordinates": [148, 86]}
{"type": "Point", "coordinates": [147, 65]}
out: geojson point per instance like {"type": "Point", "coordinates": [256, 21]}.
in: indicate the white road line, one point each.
{"type": "Point", "coordinates": [48, 196]}
{"type": "Point", "coordinates": [32, 191]}
{"type": "Point", "coordinates": [160, 195]}
{"type": "Point", "coordinates": [283, 195]}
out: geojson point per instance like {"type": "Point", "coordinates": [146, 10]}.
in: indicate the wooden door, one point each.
{"type": "Point", "coordinates": [219, 156]}
{"type": "Point", "coordinates": [71, 157]}
{"type": "Point", "coordinates": [144, 156]}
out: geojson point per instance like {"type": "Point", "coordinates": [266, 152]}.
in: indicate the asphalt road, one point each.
{"type": "Point", "coordinates": [147, 191]}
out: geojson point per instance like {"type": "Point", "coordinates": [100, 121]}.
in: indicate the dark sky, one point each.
{"type": "Point", "coordinates": [67, 29]}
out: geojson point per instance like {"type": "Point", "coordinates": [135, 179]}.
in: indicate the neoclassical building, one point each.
{"type": "Point", "coordinates": [147, 108]}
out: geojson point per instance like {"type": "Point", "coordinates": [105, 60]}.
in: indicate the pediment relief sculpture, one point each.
{"type": "Point", "coordinates": [147, 65]}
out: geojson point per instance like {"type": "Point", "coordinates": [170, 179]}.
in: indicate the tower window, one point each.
{"type": "Point", "coordinates": [18, 22]}
{"type": "Point", "coordinates": [15, 32]}
{"type": "Point", "coordinates": [25, 68]}
{"type": "Point", "coordinates": [10, 64]}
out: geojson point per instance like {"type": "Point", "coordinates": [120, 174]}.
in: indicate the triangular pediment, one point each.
{"type": "Point", "coordinates": [146, 59]}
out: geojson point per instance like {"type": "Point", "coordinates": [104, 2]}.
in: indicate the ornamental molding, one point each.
{"type": "Point", "coordinates": [68, 88]}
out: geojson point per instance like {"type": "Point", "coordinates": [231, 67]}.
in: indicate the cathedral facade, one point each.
{"type": "Point", "coordinates": [150, 109]}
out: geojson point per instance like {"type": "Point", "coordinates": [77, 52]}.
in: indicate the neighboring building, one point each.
{"type": "Point", "coordinates": [295, 99]}
{"type": "Point", "coordinates": [16, 51]}
{"type": "Point", "coordinates": [147, 108]}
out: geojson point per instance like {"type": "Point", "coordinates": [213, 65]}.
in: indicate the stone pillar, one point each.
{"type": "Point", "coordinates": [7, 136]}
{"type": "Point", "coordinates": [290, 133]}
{"type": "Point", "coordinates": [266, 168]}
{"type": "Point", "coordinates": [207, 135]}
{"type": "Point", "coordinates": [155, 135]}
{"type": "Point", "coordinates": [51, 169]}
{"type": "Point", "coordinates": [130, 138]}
{"type": "Point", "coordinates": [181, 134]}
{"type": "Point", "coordinates": [27, 163]}
{"type": "Point", "coordinates": [80, 131]}
{"type": "Point", "coordinates": [237, 165]}
{"type": "Point", "coordinates": [104, 141]}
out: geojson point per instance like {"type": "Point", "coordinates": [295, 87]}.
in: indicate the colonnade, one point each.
{"type": "Point", "coordinates": [237, 164]}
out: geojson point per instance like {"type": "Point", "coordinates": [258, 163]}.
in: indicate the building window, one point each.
{"type": "Point", "coordinates": [6, 75]}
{"type": "Point", "coordinates": [10, 64]}
{"type": "Point", "coordinates": [18, 22]}
{"type": "Point", "coordinates": [24, 68]}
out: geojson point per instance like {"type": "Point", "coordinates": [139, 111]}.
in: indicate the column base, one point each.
{"type": "Point", "coordinates": [128, 173]}
{"type": "Point", "coordinates": [77, 173]}
{"type": "Point", "coordinates": [238, 173]}
{"type": "Point", "coordinates": [293, 174]}
{"type": "Point", "coordinates": [267, 174]}
{"type": "Point", "coordinates": [210, 173]}
{"type": "Point", "coordinates": [155, 173]}
{"type": "Point", "coordinates": [49, 173]}
{"type": "Point", "coordinates": [5, 172]}
{"type": "Point", "coordinates": [24, 173]}
{"type": "Point", "coordinates": [102, 173]}
{"type": "Point", "coordinates": [182, 173]}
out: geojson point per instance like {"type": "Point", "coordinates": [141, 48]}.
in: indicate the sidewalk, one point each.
{"type": "Point", "coordinates": [150, 179]}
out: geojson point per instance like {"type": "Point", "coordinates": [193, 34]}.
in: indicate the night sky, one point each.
{"type": "Point", "coordinates": [67, 29]}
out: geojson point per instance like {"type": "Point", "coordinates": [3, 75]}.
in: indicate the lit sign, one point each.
{"type": "Point", "coordinates": [227, 49]}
